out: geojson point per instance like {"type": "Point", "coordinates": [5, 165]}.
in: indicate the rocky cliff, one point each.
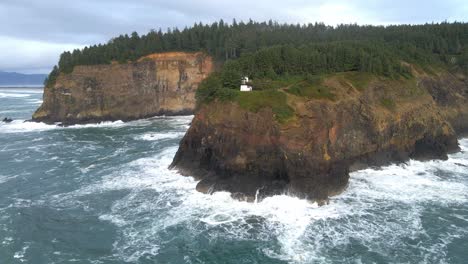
{"type": "Point", "coordinates": [310, 155]}
{"type": "Point", "coordinates": [156, 84]}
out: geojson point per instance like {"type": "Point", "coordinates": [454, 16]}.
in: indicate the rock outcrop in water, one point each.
{"type": "Point", "coordinates": [158, 84]}
{"type": "Point", "coordinates": [7, 120]}
{"type": "Point", "coordinates": [311, 155]}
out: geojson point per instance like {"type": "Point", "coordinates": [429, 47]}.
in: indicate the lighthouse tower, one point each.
{"type": "Point", "coordinates": [245, 87]}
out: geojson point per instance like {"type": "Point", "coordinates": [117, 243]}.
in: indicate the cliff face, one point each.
{"type": "Point", "coordinates": [310, 155]}
{"type": "Point", "coordinates": [157, 84]}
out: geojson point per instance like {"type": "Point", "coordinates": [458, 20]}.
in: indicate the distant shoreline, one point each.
{"type": "Point", "coordinates": [22, 86]}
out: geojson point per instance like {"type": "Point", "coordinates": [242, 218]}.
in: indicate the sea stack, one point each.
{"type": "Point", "coordinates": [310, 155]}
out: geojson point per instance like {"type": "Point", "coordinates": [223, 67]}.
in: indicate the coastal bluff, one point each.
{"type": "Point", "coordinates": [253, 155]}
{"type": "Point", "coordinates": [156, 84]}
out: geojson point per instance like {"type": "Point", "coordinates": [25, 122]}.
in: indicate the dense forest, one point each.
{"type": "Point", "coordinates": [270, 49]}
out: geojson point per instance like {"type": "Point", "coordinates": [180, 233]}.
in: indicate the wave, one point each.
{"type": "Point", "coordinates": [182, 122]}
{"type": "Point", "coordinates": [4, 179]}
{"type": "Point", "coordinates": [304, 231]}
{"type": "Point", "coordinates": [6, 95]}
{"type": "Point", "coordinates": [381, 210]}
{"type": "Point", "coordinates": [177, 118]}
{"type": "Point", "coordinates": [23, 126]}
{"type": "Point", "coordinates": [8, 111]}
{"type": "Point", "coordinates": [20, 254]}
{"type": "Point", "coordinates": [34, 101]}
{"type": "Point", "coordinates": [159, 136]}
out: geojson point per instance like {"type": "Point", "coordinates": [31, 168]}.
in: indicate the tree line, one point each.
{"type": "Point", "coordinates": [344, 47]}
{"type": "Point", "coordinates": [314, 59]}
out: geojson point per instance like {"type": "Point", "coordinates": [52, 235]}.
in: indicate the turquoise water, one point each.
{"type": "Point", "coordinates": [103, 194]}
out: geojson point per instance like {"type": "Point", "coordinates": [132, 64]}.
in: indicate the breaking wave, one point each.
{"type": "Point", "coordinates": [159, 136]}
{"type": "Point", "coordinates": [5, 95]}
{"type": "Point", "coordinates": [381, 210]}
{"type": "Point", "coordinates": [24, 126]}
{"type": "Point", "coordinates": [66, 187]}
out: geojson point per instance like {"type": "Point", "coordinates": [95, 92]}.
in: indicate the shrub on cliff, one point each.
{"type": "Point", "coordinates": [212, 88]}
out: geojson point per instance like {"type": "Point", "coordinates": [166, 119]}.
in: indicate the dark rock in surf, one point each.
{"type": "Point", "coordinates": [7, 120]}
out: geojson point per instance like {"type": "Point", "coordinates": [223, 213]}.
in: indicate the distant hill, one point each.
{"type": "Point", "coordinates": [14, 78]}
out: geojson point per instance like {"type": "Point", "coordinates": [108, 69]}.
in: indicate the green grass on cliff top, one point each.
{"type": "Point", "coordinates": [312, 87]}
{"type": "Point", "coordinates": [359, 80]}
{"type": "Point", "coordinates": [255, 101]}
{"type": "Point", "coordinates": [276, 100]}
{"type": "Point", "coordinates": [266, 94]}
{"type": "Point", "coordinates": [273, 93]}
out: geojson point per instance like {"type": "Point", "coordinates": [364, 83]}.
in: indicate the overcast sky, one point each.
{"type": "Point", "coordinates": [34, 32]}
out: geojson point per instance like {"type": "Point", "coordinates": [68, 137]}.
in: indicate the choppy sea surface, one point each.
{"type": "Point", "coordinates": [102, 193]}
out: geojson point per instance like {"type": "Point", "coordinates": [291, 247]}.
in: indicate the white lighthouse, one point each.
{"type": "Point", "coordinates": [245, 87]}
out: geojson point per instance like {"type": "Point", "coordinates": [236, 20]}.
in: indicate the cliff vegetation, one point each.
{"type": "Point", "coordinates": [428, 44]}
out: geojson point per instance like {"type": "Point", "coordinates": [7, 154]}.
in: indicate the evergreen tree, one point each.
{"type": "Point", "coordinates": [312, 48]}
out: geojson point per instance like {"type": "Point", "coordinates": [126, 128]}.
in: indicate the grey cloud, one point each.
{"type": "Point", "coordinates": [59, 25]}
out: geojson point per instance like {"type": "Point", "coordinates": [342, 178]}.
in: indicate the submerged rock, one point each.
{"type": "Point", "coordinates": [310, 155]}
{"type": "Point", "coordinates": [7, 120]}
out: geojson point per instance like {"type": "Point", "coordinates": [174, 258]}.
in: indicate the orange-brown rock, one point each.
{"type": "Point", "coordinates": [157, 84]}
{"type": "Point", "coordinates": [310, 155]}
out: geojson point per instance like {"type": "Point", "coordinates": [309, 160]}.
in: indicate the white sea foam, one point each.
{"type": "Point", "coordinates": [20, 254]}
{"type": "Point", "coordinates": [159, 136]}
{"type": "Point", "coordinates": [286, 217]}
{"type": "Point", "coordinates": [183, 119]}
{"type": "Point", "coordinates": [15, 95]}
{"type": "Point", "coordinates": [22, 126]}
{"type": "Point", "coordinates": [463, 144]}
{"type": "Point", "coordinates": [380, 208]}
{"type": "Point", "coordinates": [4, 179]}
{"type": "Point", "coordinates": [8, 111]}
{"type": "Point", "coordinates": [178, 121]}
{"type": "Point", "coordinates": [118, 123]}
{"type": "Point", "coordinates": [293, 222]}
{"type": "Point", "coordinates": [411, 183]}
{"type": "Point", "coordinates": [7, 240]}
{"type": "Point", "coordinates": [34, 101]}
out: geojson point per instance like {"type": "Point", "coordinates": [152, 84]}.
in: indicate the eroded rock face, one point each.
{"type": "Point", "coordinates": [247, 153]}
{"type": "Point", "coordinates": [155, 85]}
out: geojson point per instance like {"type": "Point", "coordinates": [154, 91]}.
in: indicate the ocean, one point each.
{"type": "Point", "coordinates": [102, 193]}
